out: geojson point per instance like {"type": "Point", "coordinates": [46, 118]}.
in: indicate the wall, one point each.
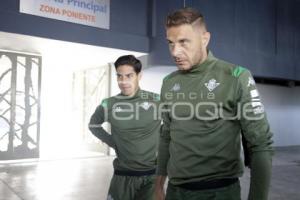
{"type": "Point", "coordinates": [263, 36]}
{"type": "Point", "coordinates": [121, 35]}
{"type": "Point", "coordinates": [283, 109]}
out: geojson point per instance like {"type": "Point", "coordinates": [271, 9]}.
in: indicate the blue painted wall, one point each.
{"type": "Point", "coordinates": [128, 26]}
{"type": "Point", "coordinates": [295, 17]}
{"type": "Point", "coordinates": [263, 36]}
{"type": "Point", "coordinates": [159, 52]}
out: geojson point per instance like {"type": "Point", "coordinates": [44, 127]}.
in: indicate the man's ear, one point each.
{"type": "Point", "coordinates": [140, 75]}
{"type": "Point", "coordinates": [206, 38]}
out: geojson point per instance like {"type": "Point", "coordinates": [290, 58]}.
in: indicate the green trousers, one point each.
{"type": "Point", "coordinates": [131, 188]}
{"type": "Point", "coordinates": [231, 192]}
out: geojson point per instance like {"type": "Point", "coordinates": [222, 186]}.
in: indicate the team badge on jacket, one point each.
{"type": "Point", "coordinates": [146, 105]}
{"type": "Point", "coordinates": [176, 87]}
{"type": "Point", "coordinates": [212, 84]}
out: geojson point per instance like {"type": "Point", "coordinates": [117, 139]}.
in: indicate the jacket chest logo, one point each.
{"type": "Point", "coordinates": [117, 109]}
{"type": "Point", "coordinates": [176, 87]}
{"type": "Point", "coordinates": [250, 81]}
{"type": "Point", "coordinates": [146, 105]}
{"type": "Point", "coordinates": [211, 85]}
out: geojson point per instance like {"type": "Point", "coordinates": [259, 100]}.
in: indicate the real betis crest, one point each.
{"type": "Point", "coordinates": [212, 84]}
{"type": "Point", "coordinates": [146, 105]}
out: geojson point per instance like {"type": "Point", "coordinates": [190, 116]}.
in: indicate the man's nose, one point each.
{"type": "Point", "coordinates": [123, 81]}
{"type": "Point", "coordinates": [176, 51]}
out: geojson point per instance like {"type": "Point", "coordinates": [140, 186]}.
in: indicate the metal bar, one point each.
{"type": "Point", "coordinates": [13, 86]}
{"type": "Point", "coordinates": [39, 104]}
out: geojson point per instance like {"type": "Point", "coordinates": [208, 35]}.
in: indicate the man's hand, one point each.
{"type": "Point", "coordinates": [159, 188]}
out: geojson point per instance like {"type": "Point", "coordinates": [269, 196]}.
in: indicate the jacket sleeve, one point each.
{"type": "Point", "coordinates": [257, 135]}
{"type": "Point", "coordinates": [95, 125]}
{"type": "Point", "coordinates": [164, 139]}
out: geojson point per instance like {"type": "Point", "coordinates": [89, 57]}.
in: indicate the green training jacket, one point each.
{"type": "Point", "coordinates": [205, 111]}
{"type": "Point", "coordinates": [134, 129]}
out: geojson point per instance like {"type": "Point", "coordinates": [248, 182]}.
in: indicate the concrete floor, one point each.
{"type": "Point", "coordinates": [88, 178]}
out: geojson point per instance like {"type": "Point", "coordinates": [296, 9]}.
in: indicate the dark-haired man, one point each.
{"type": "Point", "coordinates": [208, 103]}
{"type": "Point", "coordinates": [134, 133]}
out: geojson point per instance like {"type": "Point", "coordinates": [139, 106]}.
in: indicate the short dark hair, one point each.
{"type": "Point", "coordinates": [129, 60]}
{"type": "Point", "coordinates": [185, 16]}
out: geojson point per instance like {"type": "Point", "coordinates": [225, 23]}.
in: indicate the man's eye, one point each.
{"type": "Point", "coordinates": [171, 44]}
{"type": "Point", "coordinates": [183, 42]}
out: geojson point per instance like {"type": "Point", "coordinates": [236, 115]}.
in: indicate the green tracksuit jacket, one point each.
{"type": "Point", "coordinates": [134, 129]}
{"type": "Point", "coordinates": [205, 111]}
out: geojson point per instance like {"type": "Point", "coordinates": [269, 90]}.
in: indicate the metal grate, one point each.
{"type": "Point", "coordinates": [20, 84]}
